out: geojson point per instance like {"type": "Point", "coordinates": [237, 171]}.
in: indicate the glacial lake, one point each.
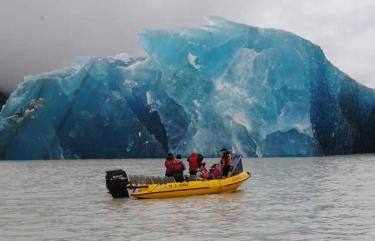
{"type": "Point", "coordinates": [324, 198]}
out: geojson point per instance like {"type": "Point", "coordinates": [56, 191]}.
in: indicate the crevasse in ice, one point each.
{"type": "Point", "coordinates": [260, 92]}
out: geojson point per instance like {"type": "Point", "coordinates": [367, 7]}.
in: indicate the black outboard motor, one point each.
{"type": "Point", "coordinates": [116, 181]}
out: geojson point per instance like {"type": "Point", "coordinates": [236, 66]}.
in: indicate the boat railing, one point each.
{"type": "Point", "coordinates": [191, 178]}
{"type": "Point", "coordinates": [141, 179]}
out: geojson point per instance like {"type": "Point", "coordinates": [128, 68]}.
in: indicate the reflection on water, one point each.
{"type": "Point", "coordinates": [287, 199]}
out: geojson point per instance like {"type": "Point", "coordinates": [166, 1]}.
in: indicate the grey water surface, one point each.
{"type": "Point", "coordinates": [325, 198]}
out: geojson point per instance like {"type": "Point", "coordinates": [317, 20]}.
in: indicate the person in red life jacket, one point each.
{"type": "Point", "coordinates": [203, 171]}
{"type": "Point", "coordinates": [225, 162]}
{"type": "Point", "coordinates": [215, 172]}
{"type": "Point", "coordinates": [194, 161]}
{"type": "Point", "coordinates": [179, 169]}
{"type": "Point", "coordinates": [170, 164]}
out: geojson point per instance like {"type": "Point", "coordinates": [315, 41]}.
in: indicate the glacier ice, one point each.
{"type": "Point", "coordinates": [260, 92]}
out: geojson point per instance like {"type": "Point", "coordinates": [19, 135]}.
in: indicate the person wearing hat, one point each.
{"type": "Point", "coordinates": [194, 160]}
{"type": "Point", "coordinates": [180, 168]}
{"type": "Point", "coordinates": [170, 163]}
{"type": "Point", "coordinates": [215, 172]}
{"type": "Point", "coordinates": [225, 162]}
{"type": "Point", "coordinates": [203, 171]}
{"type": "Point", "coordinates": [174, 168]}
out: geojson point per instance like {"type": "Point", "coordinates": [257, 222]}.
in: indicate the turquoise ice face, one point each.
{"type": "Point", "coordinates": [260, 92]}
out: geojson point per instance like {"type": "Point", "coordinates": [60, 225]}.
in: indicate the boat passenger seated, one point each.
{"type": "Point", "coordinates": [180, 168]}
{"type": "Point", "coordinates": [215, 172]}
{"type": "Point", "coordinates": [174, 168]}
{"type": "Point", "coordinates": [203, 173]}
{"type": "Point", "coordinates": [194, 160]}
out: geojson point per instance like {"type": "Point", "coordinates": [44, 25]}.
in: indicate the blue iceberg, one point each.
{"type": "Point", "coordinates": [260, 92]}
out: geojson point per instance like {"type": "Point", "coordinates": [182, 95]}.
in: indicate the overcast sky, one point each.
{"type": "Point", "coordinates": [42, 35]}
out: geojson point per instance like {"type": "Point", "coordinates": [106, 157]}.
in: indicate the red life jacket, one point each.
{"type": "Point", "coordinates": [174, 166]}
{"type": "Point", "coordinates": [193, 162]}
{"type": "Point", "coordinates": [226, 160]}
{"type": "Point", "coordinates": [170, 166]}
{"type": "Point", "coordinates": [179, 166]}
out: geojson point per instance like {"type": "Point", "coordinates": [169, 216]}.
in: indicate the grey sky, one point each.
{"type": "Point", "coordinates": [42, 35]}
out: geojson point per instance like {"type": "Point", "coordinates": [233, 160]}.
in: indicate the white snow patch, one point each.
{"type": "Point", "coordinates": [192, 61]}
{"type": "Point", "coordinates": [80, 62]}
{"type": "Point", "coordinates": [301, 127]}
{"type": "Point", "coordinates": [133, 67]}
{"type": "Point", "coordinates": [149, 99]}
{"type": "Point", "coordinates": [215, 20]}
{"type": "Point", "coordinates": [122, 56]}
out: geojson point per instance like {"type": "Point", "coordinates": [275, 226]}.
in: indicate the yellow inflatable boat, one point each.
{"type": "Point", "coordinates": [180, 189]}
{"type": "Point", "coordinates": [118, 183]}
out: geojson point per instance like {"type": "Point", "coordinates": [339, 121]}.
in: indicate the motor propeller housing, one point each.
{"type": "Point", "coordinates": [116, 182]}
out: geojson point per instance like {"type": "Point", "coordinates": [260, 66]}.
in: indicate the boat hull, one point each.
{"type": "Point", "coordinates": [181, 189]}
